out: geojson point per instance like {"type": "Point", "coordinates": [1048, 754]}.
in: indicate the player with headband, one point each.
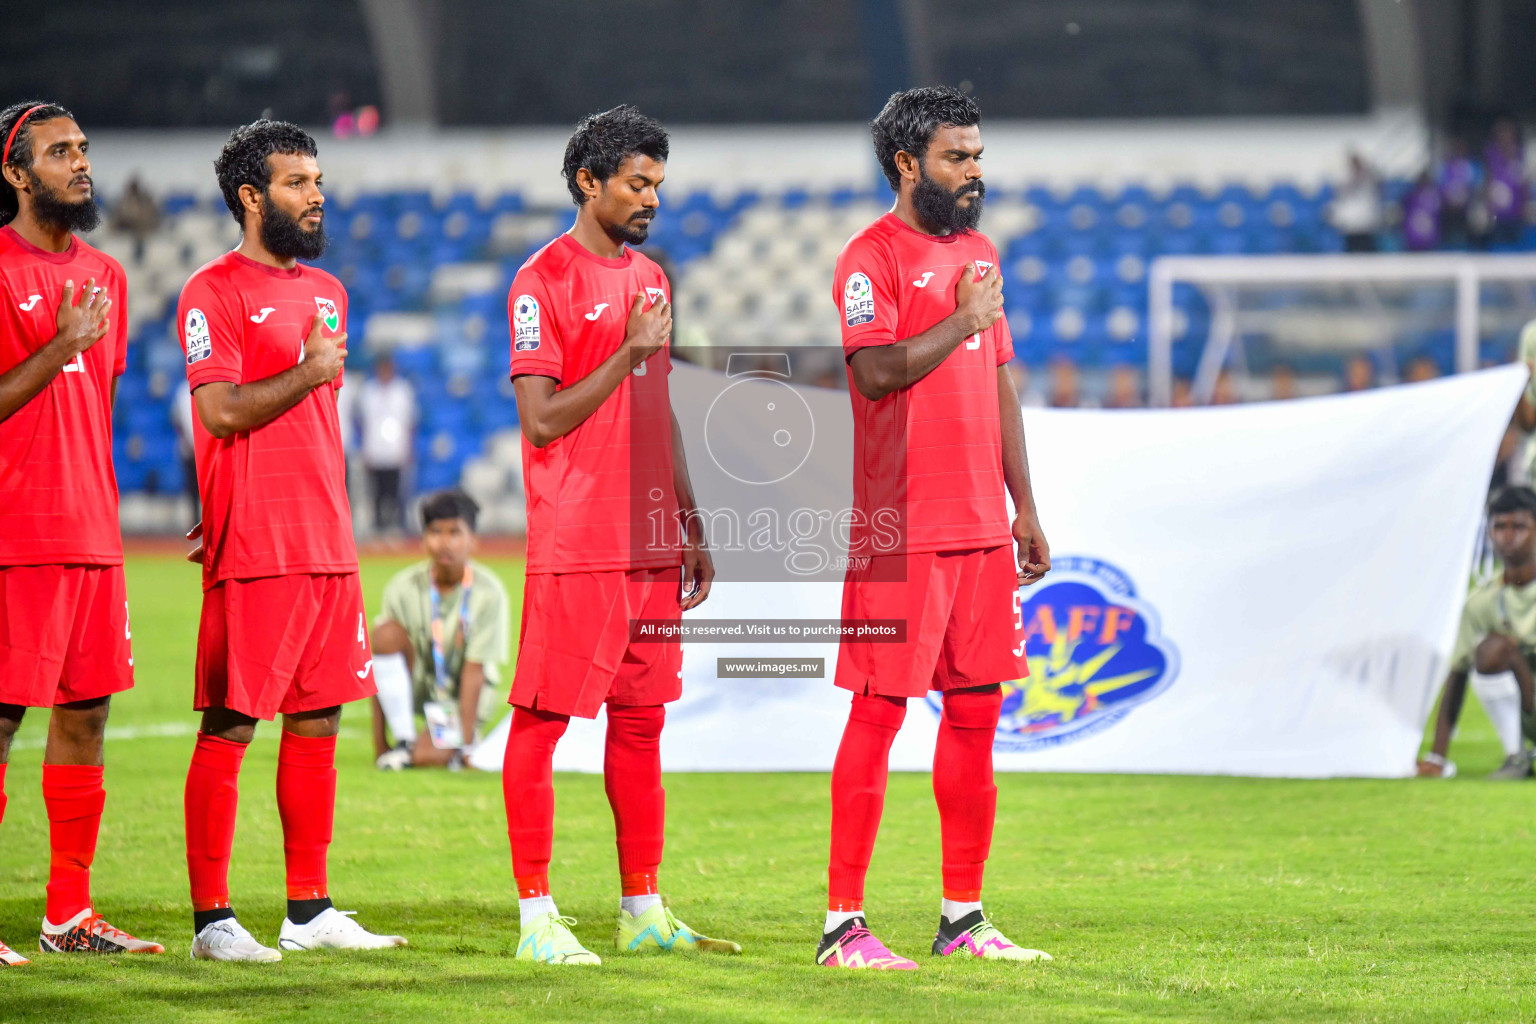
{"type": "Point", "coordinates": [65, 640]}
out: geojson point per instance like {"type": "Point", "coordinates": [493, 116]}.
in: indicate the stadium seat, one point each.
{"type": "Point", "coordinates": [748, 268]}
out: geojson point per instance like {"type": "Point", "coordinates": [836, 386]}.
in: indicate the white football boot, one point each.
{"type": "Point", "coordinates": [228, 940]}
{"type": "Point", "coordinates": [333, 929]}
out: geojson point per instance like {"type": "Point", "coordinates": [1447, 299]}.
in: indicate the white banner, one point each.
{"type": "Point", "coordinates": [1267, 589]}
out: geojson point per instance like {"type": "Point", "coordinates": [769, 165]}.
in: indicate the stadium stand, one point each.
{"type": "Point", "coordinates": [427, 278]}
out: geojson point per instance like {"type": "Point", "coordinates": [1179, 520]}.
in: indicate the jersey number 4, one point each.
{"type": "Point", "coordinates": [76, 365]}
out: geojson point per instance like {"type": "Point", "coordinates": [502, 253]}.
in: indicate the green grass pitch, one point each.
{"type": "Point", "coordinates": [1162, 898]}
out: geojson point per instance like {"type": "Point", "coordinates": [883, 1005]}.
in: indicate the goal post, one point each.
{"type": "Point", "coordinates": [1381, 288]}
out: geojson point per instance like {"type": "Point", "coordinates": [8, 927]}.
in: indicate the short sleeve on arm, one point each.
{"type": "Point", "coordinates": [210, 334]}
{"type": "Point", "coordinates": [1468, 634]}
{"type": "Point", "coordinates": [119, 316]}
{"type": "Point", "coordinates": [536, 346]}
{"type": "Point", "coordinates": [866, 296]}
{"type": "Point", "coordinates": [1004, 331]}
{"type": "Point", "coordinates": [397, 595]}
{"type": "Point", "coordinates": [1004, 339]}
{"type": "Point", "coordinates": [488, 642]}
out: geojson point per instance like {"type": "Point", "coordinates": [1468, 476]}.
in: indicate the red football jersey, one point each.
{"type": "Point", "coordinates": [58, 493]}
{"type": "Point", "coordinates": [927, 460]}
{"type": "Point", "coordinates": [274, 498]}
{"type": "Point", "coordinates": [601, 497]}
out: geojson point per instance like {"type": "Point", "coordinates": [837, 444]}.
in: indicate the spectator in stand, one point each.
{"type": "Point", "coordinates": [1124, 388]}
{"type": "Point", "coordinates": [1357, 211]}
{"type": "Point", "coordinates": [1066, 384]}
{"type": "Point", "coordinates": [1458, 180]}
{"type": "Point", "coordinates": [136, 213]}
{"type": "Point", "coordinates": [1183, 393]}
{"type": "Point", "coordinates": [387, 413]}
{"type": "Point", "coordinates": [1282, 383]}
{"type": "Point", "coordinates": [1025, 385]}
{"type": "Point", "coordinates": [1359, 374]}
{"type": "Point", "coordinates": [1421, 215]}
{"type": "Point", "coordinates": [1505, 190]}
{"type": "Point", "coordinates": [1421, 368]}
{"type": "Point", "coordinates": [1225, 391]}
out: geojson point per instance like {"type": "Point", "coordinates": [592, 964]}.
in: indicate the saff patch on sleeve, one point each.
{"type": "Point", "coordinates": [525, 324]}
{"type": "Point", "coordinates": [199, 340]}
{"type": "Point", "coordinates": [858, 300]}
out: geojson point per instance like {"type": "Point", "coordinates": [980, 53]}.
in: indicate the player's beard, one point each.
{"type": "Point", "coordinates": [635, 230]}
{"type": "Point", "coordinates": [287, 239]}
{"type": "Point", "coordinates": [940, 209]}
{"type": "Point", "coordinates": [52, 209]}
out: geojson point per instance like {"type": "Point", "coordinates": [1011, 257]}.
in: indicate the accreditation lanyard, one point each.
{"type": "Point", "coordinates": [439, 640]}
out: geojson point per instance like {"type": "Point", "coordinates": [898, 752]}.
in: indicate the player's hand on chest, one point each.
{"type": "Point", "coordinates": [599, 316]}
{"type": "Point", "coordinates": [35, 296]}
{"type": "Point", "coordinates": [927, 296]}
{"type": "Point", "coordinates": [275, 329]}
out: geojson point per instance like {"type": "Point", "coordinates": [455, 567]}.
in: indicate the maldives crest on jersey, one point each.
{"type": "Point", "coordinates": [654, 294]}
{"type": "Point", "coordinates": [329, 315]}
{"type": "Point", "coordinates": [199, 340]}
{"type": "Point", "coordinates": [1095, 651]}
{"type": "Point", "coordinates": [525, 323]}
{"type": "Point", "coordinates": [858, 300]}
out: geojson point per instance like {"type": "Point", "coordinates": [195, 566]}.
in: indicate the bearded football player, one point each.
{"type": "Point", "coordinates": [602, 459]}
{"type": "Point", "coordinates": [64, 634]}
{"type": "Point", "coordinates": [938, 447]}
{"type": "Point", "coordinates": [283, 629]}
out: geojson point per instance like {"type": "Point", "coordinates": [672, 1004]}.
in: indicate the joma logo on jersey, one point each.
{"type": "Point", "coordinates": [329, 315]}
{"type": "Point", "coordinates": [1095, 652]}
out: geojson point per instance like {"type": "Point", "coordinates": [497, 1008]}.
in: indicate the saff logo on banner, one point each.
{"type": "Point", "coordinates": [1095, 652]}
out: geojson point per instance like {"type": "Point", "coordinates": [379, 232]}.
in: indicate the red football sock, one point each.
{"type": "Point", "coordinates": [632, 779]}
{"type": "Point", "coordinates": [212, 795]}
{"type": "Point", "coordinates": [963, 787]}
{"type": "Point", "coordinates": [306, 801]}
{"type": "Point", "coordinates": [528, 787]}
{"type": "Point", "coordinates": [2, 791]}
{"type": "Point", "coordinates": [858, 794]}
{"type": "Point", "coordinates": [74, 798]}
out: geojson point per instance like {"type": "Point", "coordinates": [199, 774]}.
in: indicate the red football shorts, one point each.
{"type": "Point", "coordinates": [576, 649]}
{"type": "Point", "coordinates": [283, 644]}
{"type": "Point", "coordinates": [64, 634]}
{"type": "Point", "coordinates": [964, 627]}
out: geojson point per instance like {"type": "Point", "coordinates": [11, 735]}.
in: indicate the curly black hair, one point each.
{"type": "Point", "coordinates": [909, 120]}
{"type": "Point", "coordinates": [453, 504]}
{"type": "Point", "coordinates": [601, 142]}
{"type": "Point", "coordinates": [243, 160]}
{"type": "Point", "coordinates": [21, 146]}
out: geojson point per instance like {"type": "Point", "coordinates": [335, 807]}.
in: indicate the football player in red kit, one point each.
{"type": "Point", "coordinates": [283, 629]}
{"type": "Point", "coordinates": [64, 634]}
{"type": "Point", "coordinates": [602, 463]}
{"type": "Point", "coordinates": [938, 438]}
